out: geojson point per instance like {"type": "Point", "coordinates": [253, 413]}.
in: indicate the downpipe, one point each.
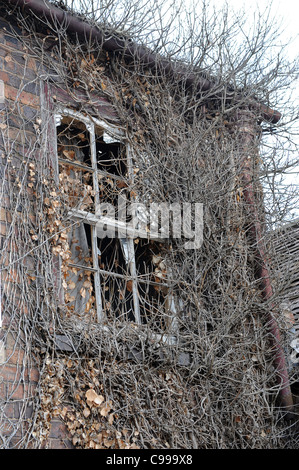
{"type": "Point", "coordinates": [246, 133]}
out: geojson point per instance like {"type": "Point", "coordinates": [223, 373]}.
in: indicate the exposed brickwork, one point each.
{"type": "Point", "coordinates": [18, 378]}
{"type": "Point", "coordinates": [19, 375]}
{"type": "Point", "coordinates": [59, 436]}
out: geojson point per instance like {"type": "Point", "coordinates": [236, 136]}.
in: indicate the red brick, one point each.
{"type": "Point", "coordinates": [4, 76]}
{"type": "Point", "coordinates": [10, 372]}
{"type": "Point", "coordinates": [58, 429]}
{"type": "Point", "coordinates": [23, 97]}
{"type": "Point", "coordinates": [19, 391]}
{"type": "Point", "coordinates": [60, 444]}
{"type": "Point", "coordinates": [14, 356]}
{"type": "Point", "coordinates": [13, 276]}
{"type": "Point", "coordinates": [3, 229]}
{"type": "Point", "coordinates": [5, 216]}
{"type": "Point", "coordinates": [16, 391]}
{"type": "Point", "coordinates": [59, 437]}
{"type": "Point", "coordinates": [34, 374]}
{"type": "Point", "coordinates": [9, 410]}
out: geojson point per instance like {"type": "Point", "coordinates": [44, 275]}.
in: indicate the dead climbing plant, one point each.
{"type": "Point", "coordinates": [116, 386]}
{"type": "Point", "coordinates": [90, 417]}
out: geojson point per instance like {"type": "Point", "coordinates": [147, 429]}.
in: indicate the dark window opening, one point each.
{"type": "Point", "coordinates": [74, 142]}
{"type": "Point", "coordinates": [111, 157]}
{"type": "Point", "coordinates": [75, 173]}
{"type": "Point", "coordinates": [111, 256]}
{"type": "Point", "coordinates": [78, 274]}
{"type": "Point", "coordinates": [152, 286]}
{"type": "Point", "coordinates": [111, 279]}
{"type": "Point", "coordinates": [116, 280]}
{"type": "Point", "coordinates": [112, 170]}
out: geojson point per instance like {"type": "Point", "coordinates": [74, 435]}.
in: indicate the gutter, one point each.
{"type": "Point", "coordinates": [132, 51]}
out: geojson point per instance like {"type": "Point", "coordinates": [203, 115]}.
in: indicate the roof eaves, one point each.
{"type": "Point", "coordinates": [43, 9]}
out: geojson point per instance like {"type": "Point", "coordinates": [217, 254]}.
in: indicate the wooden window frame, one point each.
{"type": "Point", "coordinates": [96, 221]}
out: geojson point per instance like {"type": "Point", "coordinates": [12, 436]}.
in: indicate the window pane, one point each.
{"type": "Point", "coordinates": [78, 273]}
{"type": "Point", "coordinates": [117, 298]}
{"type": "Point", "coordinates": [112, 170]}
{"type": "Point", "coordinates": [79, 293]}
{"type": "Point", "coordinates": [152, 288]}
{"type": "Point", "coordinates": [117, 287]}
{"type": "Point", "coordinates": [153, 306]}
{"type": "Point", "coordinates": [112, 257]}
{"type": "Point", "coordinates": [110, 189]}
{"type": "Point", "coordinates": [74, 142]}
{"type": "Point", "coordinates": [76, 188]}
{"type": "Point", "coordinates": [76, 183]}
{"type": "Point", "coordinates": [111, 157]}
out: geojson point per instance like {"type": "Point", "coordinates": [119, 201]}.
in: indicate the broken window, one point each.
{"type": "Point", "coordinates": [110, 274]}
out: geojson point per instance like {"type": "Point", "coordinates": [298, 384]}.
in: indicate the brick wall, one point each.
{"type": "Point", "coordinates": [25, 102]}
{"type": "Point", "coordinates": [19, 374]}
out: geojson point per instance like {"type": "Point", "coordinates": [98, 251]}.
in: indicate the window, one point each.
{"type": "Point", "coordinates": [110, 274]}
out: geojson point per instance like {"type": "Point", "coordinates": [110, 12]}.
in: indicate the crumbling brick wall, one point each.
{"type": "Point", "coordinates": [19, 120]}
{"type": "Point", "coordinates": [27, 100]}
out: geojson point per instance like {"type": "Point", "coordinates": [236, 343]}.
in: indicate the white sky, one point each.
{"type": "Point", "coordinates": [286, 12]}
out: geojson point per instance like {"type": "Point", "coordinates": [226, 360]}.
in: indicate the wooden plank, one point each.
{"type": "Point", "coordinates": [97, 284]}
{"type": "Point", "coordinates": [93, 103]}
{"type": "Point", "coordinates": [62, 161]}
